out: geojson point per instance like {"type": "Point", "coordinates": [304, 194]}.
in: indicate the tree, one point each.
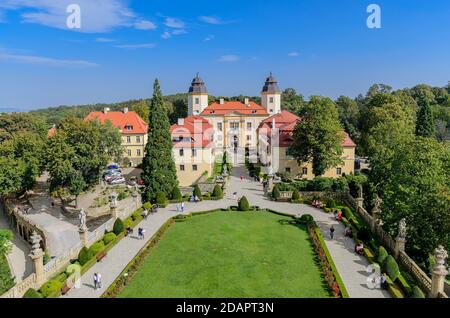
{"type": "Point", "coordinates": [5, 238]}
{"type": "Point", "coordinates": [416, 188]}
{"type": "Point", "coordinates": [118, 227]}
{"type": "Point", "coordinates": [197, 192]}
{"type": "Point", "coordinates": [318, 136]}
{"type": "Point", "coordinates": [291, 102]}
{"type": "Point", "coordinates": [159, 173]}
{"type": "Point", "coordinates": [217, 192]}
{"type": "Point", "coordinates": [348, 115]}
{"type": "Point", "coordinates": [179, 110]}
{"type": "Point", "coordinates": [141, 108]}
{"type": "Point", "coordinates": [425, 121]}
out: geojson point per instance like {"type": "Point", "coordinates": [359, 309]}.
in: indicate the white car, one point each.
{"type": "Point", "coordinates": [113, 176]}
{"type": "Point", "coordinates": [120, 180]}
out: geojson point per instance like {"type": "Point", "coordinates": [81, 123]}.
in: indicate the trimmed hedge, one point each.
{"type": "Point", "coordinates": [243, 204]}
{"type": "Point", "coordinates": [382, 255]}
{"type": "Point", "coordinates": [96, 248]}
{"type": "Point", "coordinates": [176, 194]}
{"type": "Point", "coordinates": [109, 237]}
{"type": "Point", "coordinates": [197, 191]}
{"type": "Point", "coordinates": [391, 268]}
{"type": "Point", "coordinates": [417, 292]}
{"type": "Point", "coordinates": [161, 199]}
{"type": "Point", "coordinates": [51, 289]}
{"type": "Point", "coordinates": [296, 195]}
{"type": "Point", "coordinates": [217, 192]}
{"type": "Point", "coordinates": [84, 256]}
{"type": "Point", "coordinates": [276, 192]}
{"type": "Point", "coordinates": [118, 227]}
{"type": "Point", "coordinates": [32, 293]}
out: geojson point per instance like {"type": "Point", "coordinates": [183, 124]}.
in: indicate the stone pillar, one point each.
{"type": "Point", "coordinates": [114, 210]}
{"type": "Point", "coordinates": [84, 237]}
{"type": "Point", "coordinates": [359, 203]}
{"type": "Point", "coordinates": [269, 183]}
{"type": "Point", "coordinates": [37, 255]}
{"type": "Point", "coordinates": [400, 240]}
{"type": "Point", "coordinates": [439, 272]}
{"type": "Point", "coordinates": [135, 199]}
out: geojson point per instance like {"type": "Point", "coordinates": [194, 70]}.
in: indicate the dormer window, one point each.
{"type": "Point", "coordinates": [128, 127]}
{"type": "Point", "coordinates": [254, 111]}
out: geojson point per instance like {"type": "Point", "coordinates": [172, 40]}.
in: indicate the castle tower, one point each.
{"type": "Point", "coordinates": [271, 96]}
{"type": "Point", "coordinates": [198, 97]}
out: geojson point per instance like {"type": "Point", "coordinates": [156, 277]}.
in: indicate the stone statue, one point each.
{"type": "Point", "coordinates": [377, 207]}
{"type": "Point", "coordinates": [440, 254]}
{"type": "Point", "coordinates": [114, 198]}
{"type": "Point", "coordinates": [402, 229]}
{"type": "Point", "coordinates": [225, 170]}
{"type": "Point", "coordinates": [82, 218]}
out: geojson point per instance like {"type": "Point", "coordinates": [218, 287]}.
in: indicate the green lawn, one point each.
{"type": "Point", "coordinates": [230, 254]}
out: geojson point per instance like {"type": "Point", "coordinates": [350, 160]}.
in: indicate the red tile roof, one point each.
{"type": "Point", "coordinates": [121, 120]}
{"type": "Point", "coordinates": [286, 122]}
{"type": "Point", "coordinates": [51, 132]}
{"type": "Point", "coordinates": [195, 132]}
{"type": "Point", "coordinates": [234, 107]}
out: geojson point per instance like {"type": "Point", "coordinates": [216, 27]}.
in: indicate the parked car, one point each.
{"type": "Point", "coordinates": [120, 180]}
{"type": "Point", "coordinates": [113, 166]}
{"type": "Point", "coordinates": [112, 176]}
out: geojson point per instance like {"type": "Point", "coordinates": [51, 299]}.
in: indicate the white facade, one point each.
{"type": "Point", "coordinates": [197, 103]}
{"type": "Point", "coordinates": [271, 102]}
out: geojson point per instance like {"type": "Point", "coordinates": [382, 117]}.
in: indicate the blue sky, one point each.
{"type": "Point", "coordinates": [315, 46]}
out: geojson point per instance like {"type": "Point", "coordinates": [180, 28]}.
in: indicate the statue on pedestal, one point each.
{"type": "Point", "coordinates": [35, 241]}
{"type": "Point", "coordinates": [82, 218]}
{"type": "Point", "coordinates": [360, 191]}
{"type": "Point", "coordinates": [402, 229]}
{"type": "Point", "coordinates": [114, 199]}
{"type": "Point", "coordinates": [440, 255]}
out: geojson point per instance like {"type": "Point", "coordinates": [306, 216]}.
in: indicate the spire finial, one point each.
{"type": "Point", "coordinates": [198, 74]}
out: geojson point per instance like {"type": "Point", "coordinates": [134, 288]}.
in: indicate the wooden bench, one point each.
{"type": "Point", "coordinates": [100, 256]}
{"type": "Point", "coordinates": [66, 289]}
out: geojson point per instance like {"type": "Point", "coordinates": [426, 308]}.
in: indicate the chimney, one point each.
{"type": "Point", "coordinates": [106, 110]}
{"type": "Point", "coordinates": [180, 121]}
{"type": "Point", "coordinates": [222, 101]}
{"type": "Point", "coordinates": [247, 102]}
{"type": "Point", "coordinates": [125, 110]}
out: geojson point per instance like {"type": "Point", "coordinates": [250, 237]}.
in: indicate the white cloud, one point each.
{"type": "Point", "coordinates": [96, 15]}
{"type": "Point", "coordinates": [174, 23]}
{"type": "Point", "coordinates": [41, 60]}
{"type": "Point", "coordinates": [229, 58]}
{"type": "Point", "coordinates": [136, 46]}
{"type": "Point", "coordinates": [145, 25]}
{"type": "Point", "coordinates": [213, 20]}
{"type": "Point", "coordinates": [166, 35]}
{"type": "Point", "coordinates": [104, 40]}
{"type": "Point", "coordinates": [293, 54]}
{"type": "Point", "coordinates": [209, 38]}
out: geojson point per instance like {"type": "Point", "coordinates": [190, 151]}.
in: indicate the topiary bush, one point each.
{"type": "Point", "coordinates": [128, 223]}
{"type": "Point", "coordinates": [32, 293]}
{"type": "Point", "coordinates": [135, 215]}
{"type": "Point", "coordinates": [217, 192]}
{"type": "Point", "coordinates": [381, 255]}
{"type": "Point", "coordinates": [96, 248]}
{"type": "Point", "coordinates": [197, 191]}
{"type": "Point", "coordinates": [147, 206]}
{"type": "Point", "coordinates": [296, 195]}
{"type": "Point", "coordinates": [84, 256]}
{"type": "Point", "coordinates": [417, 292]}
{"type": "Point", "coordinates": [306, 218]}
{"type": "Point", "coordinates": [276, 193]}
{"type": "Point", "coordinates": [243, 204]}
{"type": "Point", "coordinates": [176, 194]}
{"type": "Point", "coordinates": [118, 227]}
{"type": "Point", "coordinates": [330, 204]}
{"type": "Point", "coordinates": [391, 268]}
{"type": "Point", "coordinates": [52, 288]}
{"type": "Point", "coordinates": [108, 238]}
{"type": "Point", "coordinates": [161, 198]}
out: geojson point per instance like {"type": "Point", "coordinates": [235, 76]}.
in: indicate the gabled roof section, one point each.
{"type": "Point", "coordinates": [234, 107]}
{"type": "Point", "coordinates": [127, 122]}
{"type": "Point", "coordinates": [192, 132]}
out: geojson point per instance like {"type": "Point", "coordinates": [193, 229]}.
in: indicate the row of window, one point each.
{"type": "Point", "coordinates": [234, 125]}
{"type": "Point", "coordinates": [138, 152]}
{"type": "Point", "coordinates": [305, 171]}
{"type": "Point", "coordinates": [193, 152]}
{"type": "Point", "coordinates": [183, 168]}
{"type": "Point", "coordinates": [138, 139]}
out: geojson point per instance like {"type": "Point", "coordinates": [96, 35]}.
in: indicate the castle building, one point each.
{"type": "Point", "coordinates": [245, 127]}
{"type": "Point", "coordinates": [132, 128]}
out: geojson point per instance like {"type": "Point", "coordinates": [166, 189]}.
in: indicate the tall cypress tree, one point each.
{"type": "Point", "coordinates": [158, 165]}
{"type": "Point", "coordinates": [425, 121]}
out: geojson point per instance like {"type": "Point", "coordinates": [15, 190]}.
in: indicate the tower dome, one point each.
{"type": "Point", "coordinates": [271, 86]}
{"type": "Point", "coordinates": [198, 86]}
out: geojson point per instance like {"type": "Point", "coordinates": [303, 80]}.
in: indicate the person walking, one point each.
{"type": "Point", "coordinates": [143, 234]}
{"type": "Point", "coordinates": [145, 214]}
{"type": "Point", "coordinates": [95, 281]}
{"type": "Point", "coordinates": [99, 280]}
{"type": "Point", "coordinates": [183, 206]}
{"type": "Point", "coordinates": [332, 232]}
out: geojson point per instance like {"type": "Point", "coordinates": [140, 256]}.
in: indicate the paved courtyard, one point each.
{"type": "Point", "coordinates": [351, 266]}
